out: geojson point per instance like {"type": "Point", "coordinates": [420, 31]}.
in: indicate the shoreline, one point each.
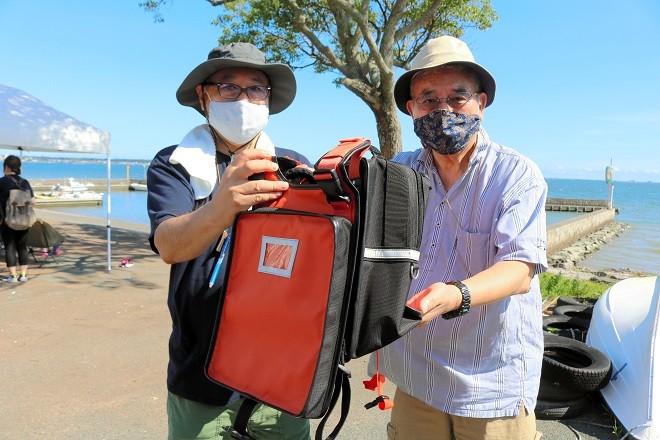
{"type": "Point", "coordinates": [565, 262]}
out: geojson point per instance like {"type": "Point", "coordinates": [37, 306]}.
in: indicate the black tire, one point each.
{"type": "Point", "coordinates": [556, 391]}
{"type": "Point", "coordinates": [574, 311]}
{"type": "Point", "coordinates": [574, 363]}
{"type": "Point", "coordinates": [546, 410]}
{"type": "Point", "coordinates": [568, 300]}
{"type": "Point", "coordinates": [566, 326]}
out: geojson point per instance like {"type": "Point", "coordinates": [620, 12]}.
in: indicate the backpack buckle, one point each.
{"type": "Point", "coordinates": [235, 434]}
{"type": "Point", "coordinates": [383, 403]}
{"type": "Point", "coordinates": [329, 182]}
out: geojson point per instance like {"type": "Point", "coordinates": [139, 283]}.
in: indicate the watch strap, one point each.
{"type": "Point", "coordinates": [465, 302]}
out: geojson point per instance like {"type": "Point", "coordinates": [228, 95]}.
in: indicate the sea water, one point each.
{"type": "Point", "coordinates": [130, 206]}
{"type": "Point", "coordinates": [638, 248]}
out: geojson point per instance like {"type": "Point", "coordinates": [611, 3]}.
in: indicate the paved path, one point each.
{"type": "Point", "coordinates": [83, 350]}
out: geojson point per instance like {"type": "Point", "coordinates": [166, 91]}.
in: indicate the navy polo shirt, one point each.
{"type": "Point", "coordinates": [192, 304]}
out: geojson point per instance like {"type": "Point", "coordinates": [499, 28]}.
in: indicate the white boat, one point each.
{"type": "Point", "coordinates": [137, 186]}
{"type": "Point", "coordinates": [73, 186]}
{"type": "Point", "coordinates": [69, 198]}
{"type": "Point", "coordinates": [624, 326]}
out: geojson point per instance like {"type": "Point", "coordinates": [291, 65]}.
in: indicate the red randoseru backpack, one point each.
{"type": "Point", "coordinates": [316, 278]}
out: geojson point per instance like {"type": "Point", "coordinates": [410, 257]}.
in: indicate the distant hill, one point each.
{"type": "Point", "coordinates": [48, 159]}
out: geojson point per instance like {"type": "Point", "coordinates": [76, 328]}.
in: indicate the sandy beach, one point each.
{"type": "Point", "coordinates": [84, 350]}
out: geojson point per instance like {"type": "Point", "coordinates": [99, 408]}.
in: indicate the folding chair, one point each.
{"type": "Point", "coordinates": [43, 236]}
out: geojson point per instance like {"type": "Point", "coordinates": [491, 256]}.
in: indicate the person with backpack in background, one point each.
{"type": "Point", "coordinates": [15, 241]}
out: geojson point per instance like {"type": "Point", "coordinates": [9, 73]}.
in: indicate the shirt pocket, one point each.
{"type": "Point", "coordinates": [473, 251]}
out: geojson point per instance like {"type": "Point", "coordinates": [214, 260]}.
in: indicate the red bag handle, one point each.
{"type": "Point", "coordinates": [292, 198]}
{"type": "Point", "coordinates": [350, 150]}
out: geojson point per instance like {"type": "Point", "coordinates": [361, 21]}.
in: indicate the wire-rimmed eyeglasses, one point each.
{"type": "Point", "coordinates": [455, 101]}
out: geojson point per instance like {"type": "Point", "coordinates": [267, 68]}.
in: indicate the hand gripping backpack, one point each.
{"type": "Point", "coordinates": [316, 278]}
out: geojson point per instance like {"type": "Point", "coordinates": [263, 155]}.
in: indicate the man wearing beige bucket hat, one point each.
{"type": "Point", "coordinates": [472, 370]}
{"type": "Point", "coordinates": [195, 190]}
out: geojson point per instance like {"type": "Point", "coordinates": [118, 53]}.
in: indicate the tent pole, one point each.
{"type": "Point", "coordinates": [108, 210]}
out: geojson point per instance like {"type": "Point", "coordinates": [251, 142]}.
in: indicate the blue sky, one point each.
{"type": "Point", "coordinates": [577, 81]}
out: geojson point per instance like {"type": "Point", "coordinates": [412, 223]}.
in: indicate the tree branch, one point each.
{"type": "Point", "coordinates": [366, 93]}
{"type": "Point", "coordinates": [363, 25]}
{"type": "Point", "coordinates": [421, 22]}
{"type": "Point", "coordinates": [299, 20]}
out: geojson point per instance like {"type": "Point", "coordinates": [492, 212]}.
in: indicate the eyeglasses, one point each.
{"type": "Point", "coordinates": [233, 91]}
{"type": "Point", "coordinates": [455, 101]}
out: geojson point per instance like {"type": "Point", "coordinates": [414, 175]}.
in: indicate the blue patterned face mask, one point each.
{"type": "Point", "coordinates": [446, 132]}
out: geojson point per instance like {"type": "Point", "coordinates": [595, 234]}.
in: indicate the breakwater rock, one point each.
{"type": "Point", "coordinates": [578, 251]}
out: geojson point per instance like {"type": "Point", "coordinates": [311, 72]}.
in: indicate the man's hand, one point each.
{"type": "Point", "coordinates": [185, 237]}
{"type": "Point", "coordinates": [237, 193]}
{"type": "Point", "coordinates": [502, 279]}
{"type": "Point", "coordinates": [435, 300]}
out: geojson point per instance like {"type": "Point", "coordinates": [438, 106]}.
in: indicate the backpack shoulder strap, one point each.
{"type": "Point", "coordinates": [335, 170]}
{"type": "Point", "coordinates": [239, 429]}
{"type": "Point", "coordinates": [16, 182]}
{"type": "Point", "coordinates": [343, 386]}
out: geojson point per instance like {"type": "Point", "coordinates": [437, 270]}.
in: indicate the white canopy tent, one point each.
{"type": "Point", "coordinates": [28, 124]}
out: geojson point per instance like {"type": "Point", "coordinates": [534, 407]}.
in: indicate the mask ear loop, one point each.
{"type": "Point", "coordinates": [217, 139]}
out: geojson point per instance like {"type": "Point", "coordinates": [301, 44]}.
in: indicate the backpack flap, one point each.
{"type": "Point", "coordinates": [282, 311]}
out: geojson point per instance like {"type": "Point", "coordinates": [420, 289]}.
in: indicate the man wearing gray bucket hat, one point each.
{"type": "Point", "coordinates": [195, 190]}
{"type": "Point", "coordinates": [472, 370]}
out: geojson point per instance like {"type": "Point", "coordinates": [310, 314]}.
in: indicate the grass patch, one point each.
{"type": "Point", "coordinates": [556, 285]}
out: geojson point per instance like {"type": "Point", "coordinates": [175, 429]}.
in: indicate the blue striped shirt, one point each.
{"type": "Point", "coordinates": [486, 363]}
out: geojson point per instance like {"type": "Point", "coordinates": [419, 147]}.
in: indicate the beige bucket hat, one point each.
{"type": "Point", "coordinates": [282, 81]}
{"type": "Point", "coordinates": [445, 50]}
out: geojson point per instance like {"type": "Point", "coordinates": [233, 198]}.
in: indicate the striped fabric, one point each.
{"type": "Point", "coordinates": [486, 363]}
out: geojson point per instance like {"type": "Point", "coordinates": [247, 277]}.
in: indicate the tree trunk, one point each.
{"type": "Point", "coordinates": [389, 128]}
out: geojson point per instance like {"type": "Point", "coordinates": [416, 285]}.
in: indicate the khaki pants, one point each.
{"type": "Point", "coordinates": [413, 419]}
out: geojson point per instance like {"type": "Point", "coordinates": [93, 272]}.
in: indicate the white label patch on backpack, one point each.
{"type": "Point", "coordinates": [277, 255]}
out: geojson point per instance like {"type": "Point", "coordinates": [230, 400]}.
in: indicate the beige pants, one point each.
{"type": "Point", "coordinates": [413, 419]}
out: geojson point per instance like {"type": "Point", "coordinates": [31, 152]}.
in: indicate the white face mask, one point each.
{"type": "Point", "coordinates": [238, 121]}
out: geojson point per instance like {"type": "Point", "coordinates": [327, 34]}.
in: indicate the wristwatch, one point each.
{"type": "Point", "coordinates": [465, 302]}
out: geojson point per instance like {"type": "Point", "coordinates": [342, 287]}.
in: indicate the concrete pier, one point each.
{"type": "Point", "coordinates": [100, 185]}
{"type": "Point", "coordinates": [563, 234]}
{"type": "Point", "coordinates": [576, 205]}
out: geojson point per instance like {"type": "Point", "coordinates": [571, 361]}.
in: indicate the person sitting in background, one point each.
{"type": "Point", "coordinates": [195, 191]}
{"type": "Point", "coordinates": [473, 370]}
{"type": "Point", "coordinates": [15, 241]}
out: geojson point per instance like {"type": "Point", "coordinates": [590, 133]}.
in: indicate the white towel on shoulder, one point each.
{"type": "Point", "coordinates": [196, 153]}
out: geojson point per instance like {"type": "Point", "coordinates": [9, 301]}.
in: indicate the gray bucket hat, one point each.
{"type": "Point", "coordinates": [445, 50]}
{"type": "Point", "coordinates": [282, 81]}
